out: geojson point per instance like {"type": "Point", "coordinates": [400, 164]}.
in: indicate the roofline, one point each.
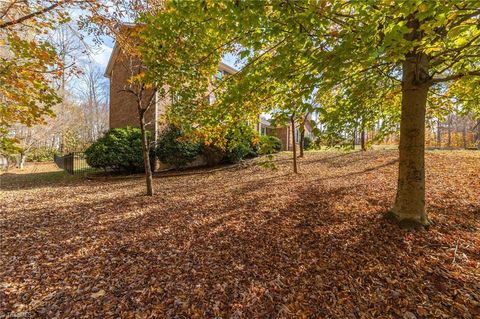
{"type": "Point", "coordinates": [116, 50]}
{"type": "Point", "coordinates": [228, 67]}
{"type": "Point", "coordinates": [111, 61]}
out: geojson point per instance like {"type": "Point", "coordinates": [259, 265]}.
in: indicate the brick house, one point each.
{"type": "Point", "coordinates": [123, 109]}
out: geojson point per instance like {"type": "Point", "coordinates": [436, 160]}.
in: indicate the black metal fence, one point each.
{"type": "Point", "coordinates": [73, 163]}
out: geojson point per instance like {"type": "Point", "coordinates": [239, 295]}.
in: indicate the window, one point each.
{"type": "Point", "coordinates": [219, 75]}
{"type": "Point", "coordinates": [297, 135]}
{"type": "Point", "coordinates": [263, 131]}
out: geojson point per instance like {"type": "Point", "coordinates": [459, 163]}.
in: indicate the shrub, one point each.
{"type": "Point", "coordinates": [240, 144]}
{"type": "Point", "coordinates": [119, 149]}
{"type": "Point", "coordinates": [174, 149]}
{"type": "Point", "coordinates": [307, 143]}
{"type": "Point", "coordinates": [269, 144]}
{"type": "Point", "coordinates": [42, 154]}
{"type": "Point", "coordinates": [213, 154]}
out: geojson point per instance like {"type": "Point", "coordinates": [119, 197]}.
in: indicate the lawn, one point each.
{"type": "Point", "coordinates": [243, 242]}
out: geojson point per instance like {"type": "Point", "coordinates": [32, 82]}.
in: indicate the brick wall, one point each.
{"type": "Point", "coordinates": [123, 105]}
{"type": "Point", "coordinates": [285, 135]}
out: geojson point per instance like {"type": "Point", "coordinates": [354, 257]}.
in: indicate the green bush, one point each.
{"type": "Point", "coordinates": [119, 149]}
{"type": "Point", "coordinates": [307, 143]}
{"type": "Point", "coordinates": [269, 144]}
{"type": "Point", "coordinates": [42, 154]}
{"type": "Point", "coordinates": [213, 155]}
{"type": "Point", "coordinates": [174, 149]}
{"type": "Point", "coordinates": [240, 144]}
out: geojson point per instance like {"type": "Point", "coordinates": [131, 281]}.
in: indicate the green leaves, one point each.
{"type": "Point", "coordinates": [340, 59]}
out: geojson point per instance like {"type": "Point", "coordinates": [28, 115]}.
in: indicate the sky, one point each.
{"type": "Point", "coordinates": [102, 55]}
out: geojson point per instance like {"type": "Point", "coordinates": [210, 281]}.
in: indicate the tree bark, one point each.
{"type": "Point", "coordinates": [449, 125]}
{"type": "Point", "coordinates": [21, 160]}
{"type": "Point", "coordinates": [362, 139]}
{"type": "Point", "coordinates": [477, 139]}
{"type": "Point", "coordinates": [295, 170]}
{"type": "Point", "coordinates": [146, 155]}
{"type": "Point", "coordinates": [439, 134]}
{"type": "Point", "coordinates": [464, 133]}
{"type": "Point", "coordinates": [354, 138]}
{"type": "Point", "coordinates": [302, 139]}
{"type": "Point", "coordinates": [410, 200]}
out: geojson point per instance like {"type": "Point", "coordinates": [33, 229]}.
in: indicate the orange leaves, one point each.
{"type": "Point", "coordinates": [242, 242]}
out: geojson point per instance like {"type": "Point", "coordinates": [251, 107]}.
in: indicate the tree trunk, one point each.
{"type": "Point", "coordinates": [146, 155]}
{"type": "Point", "coordinates": [21, 160]}
{"type": "Point", "coordinates": [464, 133]}
{"type": "Point", "coordinates": [295, 170]}
{"type": "Point", "coordinates": [354, 138]}
{"type": "Point", "coordinates": [449, 125]}
{"type": "Point", "coordinates": [302, 139]}
{"type": "Point", "coordinates": [439, 134]}
{"type": "Point", "coordinates": [477, 139]}
{"type": "Point", "coordinates": [362, 139]}
{"type": "Point", "coordinates": [409, 204]}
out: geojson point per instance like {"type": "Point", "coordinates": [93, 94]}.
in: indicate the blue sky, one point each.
{"type": "Point", "coordinates": [101, 54]}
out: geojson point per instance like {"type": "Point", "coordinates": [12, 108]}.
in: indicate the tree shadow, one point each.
{"type": "Point", "coordinates": [237, 248]}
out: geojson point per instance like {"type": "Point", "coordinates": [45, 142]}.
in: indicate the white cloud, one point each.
{"type": "Point", "coordinates": [102, 55]}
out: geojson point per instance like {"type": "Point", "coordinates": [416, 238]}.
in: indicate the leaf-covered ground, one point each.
{"type": "Point", "coordinates": [243, 242]}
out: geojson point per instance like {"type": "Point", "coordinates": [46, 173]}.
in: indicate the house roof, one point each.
{"type": "Point", "coordinates": [226, 67]}
{"type": "Point", "coordinates": [111, 61]}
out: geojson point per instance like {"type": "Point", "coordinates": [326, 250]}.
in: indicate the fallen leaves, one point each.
{"type": "Point", "coordinates": [244, 242]}
{"type": "Point", "coordinates": [98, 294]}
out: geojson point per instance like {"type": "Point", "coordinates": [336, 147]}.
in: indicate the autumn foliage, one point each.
{"type": "Point", "coordinates": [243, 242]}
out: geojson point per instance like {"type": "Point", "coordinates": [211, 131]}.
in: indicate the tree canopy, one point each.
{"type": "Point", "coordinates": [376, 59]}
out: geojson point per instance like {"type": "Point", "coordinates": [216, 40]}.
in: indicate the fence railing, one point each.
{"type": "Point", "coordinates": [72, 163]}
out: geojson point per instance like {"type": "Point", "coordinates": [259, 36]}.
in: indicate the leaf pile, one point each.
{"type": "Point", "coordinates": [244, 242]}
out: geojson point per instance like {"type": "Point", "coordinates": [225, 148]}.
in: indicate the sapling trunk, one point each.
{"type": "Point", "coordinates": [146, 155]}
{"type": "Point", "coordinates": [295, 170]}
{"type": "Point", "coordinates": [363, 140]}
{"type": "Point", "coordinates": [302, 140]}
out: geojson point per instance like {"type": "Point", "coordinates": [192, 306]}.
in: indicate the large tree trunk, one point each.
{"type": "Point", "coordinates": [464, 133]}
{"type": "Point", "coordinates": [410, 200]}
{"type": "Point", "coordinates": [146, 155]}
{"type": "Point", "coordinates": [294, 147]}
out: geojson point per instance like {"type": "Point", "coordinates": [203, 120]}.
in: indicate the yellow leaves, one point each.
{"type": "Point", "coordinates": [138, 78]}
{"type": "Point", "coordinates": [295, 255]}
{"type": "Point", "coordinates": [430, 50]}
{"type": "Point", "coordinates": [98, 294]}
{"type": "Point", "coordinates": [423, 7]}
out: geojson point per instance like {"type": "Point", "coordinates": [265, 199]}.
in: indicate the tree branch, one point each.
{"type": "Point", "coordinates": [455, 76]}
{"type": "Point", "coordinates": [31, 15]}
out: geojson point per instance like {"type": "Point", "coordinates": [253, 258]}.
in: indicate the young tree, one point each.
{"type": "Point", "coordinates": [145, 97]}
